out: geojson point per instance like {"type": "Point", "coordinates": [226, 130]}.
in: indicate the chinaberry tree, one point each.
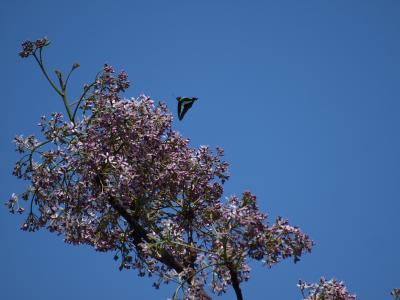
{"type": "Point", "coordinates": [113, 174]}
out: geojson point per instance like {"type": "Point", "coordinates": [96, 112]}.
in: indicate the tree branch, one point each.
{"type": "Point", "coordinates": [235, 282]}
{"type": "Point", "coordinates": [140, 235]}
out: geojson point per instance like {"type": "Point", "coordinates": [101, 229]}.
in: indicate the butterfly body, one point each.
{"type": "Point", "coordinates": [184, 104]}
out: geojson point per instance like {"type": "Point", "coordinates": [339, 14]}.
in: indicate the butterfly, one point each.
{"type": "Point", "coordinates": [184, 103]}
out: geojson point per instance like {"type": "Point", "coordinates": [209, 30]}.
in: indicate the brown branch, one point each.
{"type": "Point", "coordinates": [235, 282]}
{"type": "Point", "coordinates": [139, 235]}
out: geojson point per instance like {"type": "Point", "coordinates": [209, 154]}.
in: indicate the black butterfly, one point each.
{"type": "Point", "coordinates": [184, 103]}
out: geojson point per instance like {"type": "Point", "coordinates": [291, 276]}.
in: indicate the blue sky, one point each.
{"type": "Point", "coordinates": [302, 95]}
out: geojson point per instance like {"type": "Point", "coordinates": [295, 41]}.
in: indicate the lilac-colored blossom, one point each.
{"type": "Point", "coordinates": [395, 293]}
{"type": "Point", "coordinates": [29, 48]}
{"type": "Point", "coordinates": [325, 290]}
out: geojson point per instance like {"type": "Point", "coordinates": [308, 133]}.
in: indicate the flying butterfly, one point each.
{"type": "Point", "coordinates": [184, 103]}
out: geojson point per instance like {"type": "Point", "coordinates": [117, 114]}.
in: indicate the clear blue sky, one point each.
{"type": "Point", "coordinates": [303, 96]}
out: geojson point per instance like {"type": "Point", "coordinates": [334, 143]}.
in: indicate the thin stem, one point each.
{"type": "Point", "coordinates": [62, 94]}
{"type": "Point", "coordinates": [192, 247]}
{"type": "Point", "coordinates": [39, 61]}
{"type": "Point", "coordinates": [64, 97]}
{"type": "Point", "coordinates": [33, 198]}
{"type": "Point", "coordinates": [81, 98]}
{"type": "Point", "coordinates": [68, 76]}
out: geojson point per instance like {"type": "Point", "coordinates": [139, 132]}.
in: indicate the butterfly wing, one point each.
{"type": "Point", "coordinates": [184, 104]}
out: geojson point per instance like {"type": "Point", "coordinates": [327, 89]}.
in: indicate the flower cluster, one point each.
{"type": "Point", "coordinates": [325, 290]}
{"type": "Point", "coordinates": [115, 176]}
{"type": "Point", "coordinates": [28, 47]}
{"type": "Point", "coordinates": [395, 294]}
{"type": "Point", "coordinates": [13, 205]}
{"type": "Point", "coordinates": [107, 83]}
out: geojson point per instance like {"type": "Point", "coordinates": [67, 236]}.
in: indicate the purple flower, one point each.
{"type": "Point", "coordinates": [395, 294]}
{"type": "Point", "coordinates": [29, 48]}
{"type": "Point", "coordinates": [325, 290]}
{"type": "Point", "coordinates": [40, 43]}
{"type": "Point", "coordinates": [12, 202]}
